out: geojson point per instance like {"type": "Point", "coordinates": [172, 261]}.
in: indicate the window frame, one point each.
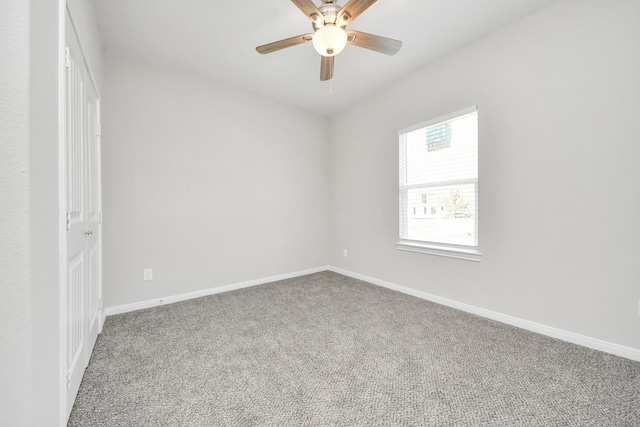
{"type": "Point", "coordinates": [465, 252]}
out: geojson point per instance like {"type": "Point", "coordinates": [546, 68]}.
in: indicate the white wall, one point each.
{"type": "Point", "coordinates": [559, 101]}
{"type": "Point", "coordinates": [15, 291]}
{"type": "Point", "coordinates": [207, 185]}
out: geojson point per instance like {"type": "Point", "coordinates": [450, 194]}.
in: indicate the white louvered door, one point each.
{"type": "Point", "coordinates": [83, 210]}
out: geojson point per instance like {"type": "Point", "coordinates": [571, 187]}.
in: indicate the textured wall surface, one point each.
{"type": "Point", "coordinates": [559, 101]}
{"type": "Point", "coordinates": [44, 219]}
{"type": "Point", "coordinates": [205, 184]}
{"type": "Point", "coordinates": [15, 325]}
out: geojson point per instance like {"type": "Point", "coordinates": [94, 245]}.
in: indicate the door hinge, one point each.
{"type": "Point", "coordinates": [69, 380]}
{"type": "Point", "coordinates": [67, 57]}
{"type": "Point", "coordinates": [99, 130]}
{"type": "Point", "coordinates": [99, 303]}
{"type": "Point", "coordinates": [68, 221]}
{"type": "Point", "coordinates": [99, 217]}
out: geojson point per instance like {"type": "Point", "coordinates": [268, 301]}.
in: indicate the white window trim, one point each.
{"type": "Point", "coordinates": [440, 249]}
{"type": "Point", "coordinates": [440, 119]}
{"type": "Point", "coordinates": [468, 253]}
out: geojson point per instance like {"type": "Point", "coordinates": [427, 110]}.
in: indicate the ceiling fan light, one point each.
{"type": "Point", "coordinates": [329, 40]}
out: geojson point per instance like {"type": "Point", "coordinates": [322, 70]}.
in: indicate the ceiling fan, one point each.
{"type": "Point", "coordinates": [330, 35]}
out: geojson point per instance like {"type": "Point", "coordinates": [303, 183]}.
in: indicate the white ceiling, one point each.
{"type": "Point", "coordinates": [216, 39]}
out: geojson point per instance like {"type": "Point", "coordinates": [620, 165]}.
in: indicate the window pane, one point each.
{"type": "Point", "coordinates": [439, 182]}
{"type": "Point", "coordinates": [441, 154]}
{"type": "Point", "coordinates": [449, 216]}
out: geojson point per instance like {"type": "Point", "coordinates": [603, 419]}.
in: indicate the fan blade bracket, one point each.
{"type": "Point", "coordinates": [343, 19]}
{"type": "Point", "coordinates": [318, 20]}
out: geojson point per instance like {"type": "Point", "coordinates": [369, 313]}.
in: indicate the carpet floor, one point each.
{"type": "Point", "coordinates": [328, 350]}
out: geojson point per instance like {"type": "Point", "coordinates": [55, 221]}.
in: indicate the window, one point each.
{"type": "Point", "coordinates": [439, 168]}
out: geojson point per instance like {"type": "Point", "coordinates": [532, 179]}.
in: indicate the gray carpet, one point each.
{"type": "Point", "coordinates": [328, 350]}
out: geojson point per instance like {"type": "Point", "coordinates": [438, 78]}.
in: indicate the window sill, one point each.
{"type": "Point", "coordinates": [450, 251]}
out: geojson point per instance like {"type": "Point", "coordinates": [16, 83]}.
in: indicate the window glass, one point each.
{"type": "Point", "coordinates": [439, 176]}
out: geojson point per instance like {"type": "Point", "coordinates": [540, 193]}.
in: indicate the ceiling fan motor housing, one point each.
{"type": "Point", "coordinates": [330, 10]}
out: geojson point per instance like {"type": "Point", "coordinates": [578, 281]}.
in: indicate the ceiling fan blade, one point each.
{"type": "Point", "coordinates": [283, 44]}
{"type": "Point", "coordinates": [352, 10]}
{"type": "Point", "coordinates": [308, 8]}
{"type": "Point", "coordinates": [373, 42]}
{"type": "Point", "coordinates": [326, 68]}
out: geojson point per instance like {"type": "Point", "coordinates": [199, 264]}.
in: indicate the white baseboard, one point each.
{"type": "Point", "coordinates": [585, 341]}
{"type": "Point", "coordinates": [205, 292]}
{"type": "Point", "coordinates": [593, 343]}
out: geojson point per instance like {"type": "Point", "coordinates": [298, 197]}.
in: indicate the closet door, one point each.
{"type": "Point", "coordinates": [82, 174]}
{"type": "Point", "coordinates": [93, 239]}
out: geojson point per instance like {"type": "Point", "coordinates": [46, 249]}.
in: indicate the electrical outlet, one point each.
{"type": "Point", "coordinates": [147, 274]}
{"type": "Point", "coordinates": [345, 253]}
